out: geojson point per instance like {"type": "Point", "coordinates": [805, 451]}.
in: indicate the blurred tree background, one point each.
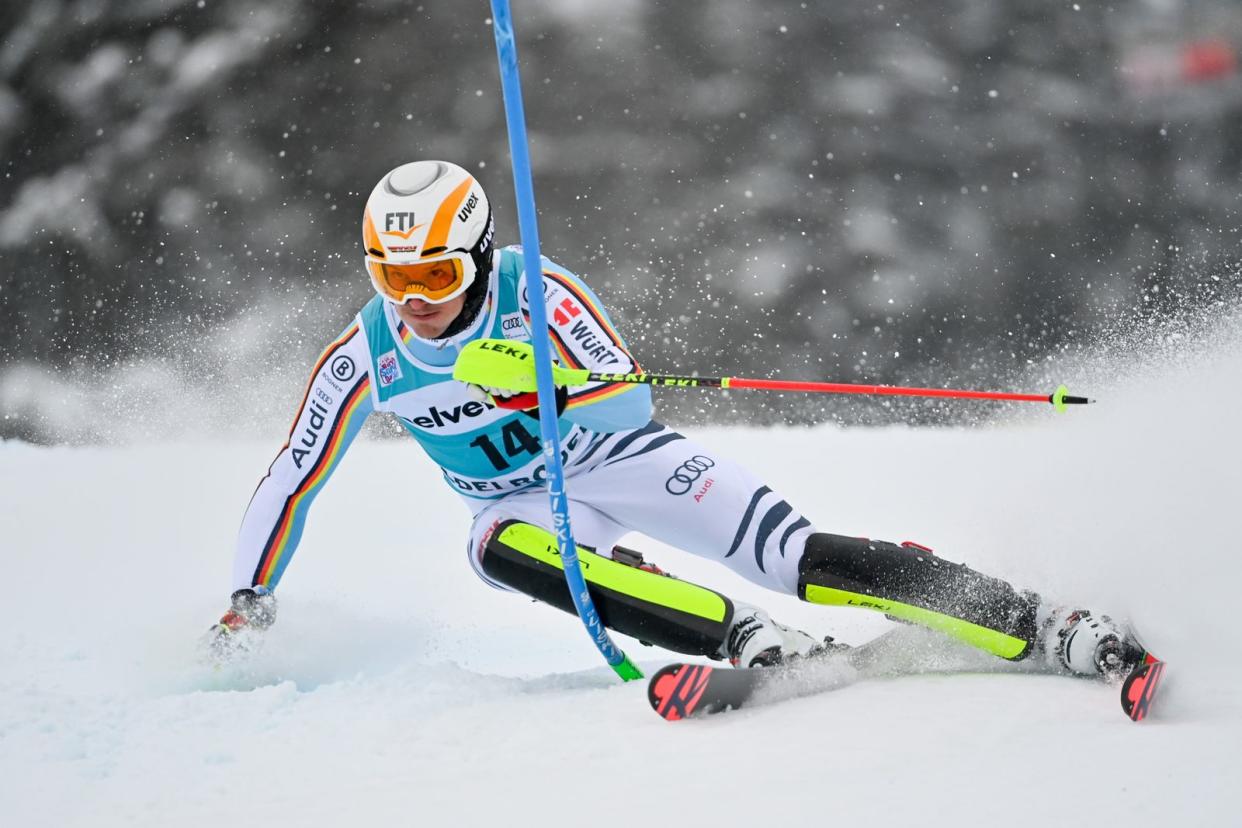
{"type": "Point", "coordinates": [883, 192]}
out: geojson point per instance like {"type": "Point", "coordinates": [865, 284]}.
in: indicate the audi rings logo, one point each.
{"type": "Point", "coordinates": [343, 368]}
{"type": "Point", "coordinates": [683, 478]}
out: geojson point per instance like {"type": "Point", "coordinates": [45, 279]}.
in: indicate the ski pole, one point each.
{"type": "Point", "coordinates": [1059, 398]}
{"type": "Point", "coordinates": [499, 363]}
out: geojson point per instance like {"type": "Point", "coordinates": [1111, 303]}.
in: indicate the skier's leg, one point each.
{"type": "Point", "coordinates": [671, 488]}
{"type": "Point", "coordinates": [511, 549]}
{"type": "Point", "coordinates": [911, 584]}
{"type": "Point", "coordinates": [655, 481]}
{"type": "Point", "coordinates": [688, 496]}
{"type": "Point", "coordinates": [630, 596]}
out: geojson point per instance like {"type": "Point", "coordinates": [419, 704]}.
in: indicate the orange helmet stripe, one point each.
{"type": "Point", "coordinates": [370, 239]}
{"type": "Point", "coordinates": [437, 236]}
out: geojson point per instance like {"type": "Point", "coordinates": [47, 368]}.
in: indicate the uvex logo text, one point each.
{"type": "Point", "coordinates": [441, 417]}
{"type": "Point", "coordinates": [468, 208]}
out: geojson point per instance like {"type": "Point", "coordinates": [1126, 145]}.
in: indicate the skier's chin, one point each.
{"type": "Point", "coordinates": [429, 329]}
{"type": "Point", "coordinates": [429, 321]}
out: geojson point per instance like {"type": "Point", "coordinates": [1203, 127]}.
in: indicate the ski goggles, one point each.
{"type": "Point", "coordinates": [434, 280]}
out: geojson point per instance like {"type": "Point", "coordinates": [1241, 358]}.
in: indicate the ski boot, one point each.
{"type": "Point", "coordinates": [253, 610]}
{"type": "Point", "coordinates": [1080, 642]}
{"type": "Point", "coordinates": [755, 640]}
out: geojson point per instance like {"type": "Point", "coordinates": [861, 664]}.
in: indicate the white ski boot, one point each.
{"type": "Point", "coordinates": [1087, 644]}
{"type": "Point", "coordinates": [755, 640]}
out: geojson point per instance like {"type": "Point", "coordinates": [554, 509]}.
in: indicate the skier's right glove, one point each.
{"type": "Point", "coordinates": [252, 608]}
{"type": "Point", "coordinates": [525, 401]}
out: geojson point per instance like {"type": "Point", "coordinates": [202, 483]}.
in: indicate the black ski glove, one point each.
{"type": "Point", "coordinates": [253, 607]}
{"type": "Point", "coordinates": [525, 401]}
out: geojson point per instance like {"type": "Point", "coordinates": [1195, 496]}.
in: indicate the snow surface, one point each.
{"type": "Point", "coordinates": [397, 689]}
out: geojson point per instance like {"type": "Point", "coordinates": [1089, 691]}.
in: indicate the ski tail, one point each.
{"type": "Point", "coordinates": [1140, 687]}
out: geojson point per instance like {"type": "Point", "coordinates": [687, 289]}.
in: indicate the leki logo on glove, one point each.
{"type": "Point", "coordinates": [683, 478]}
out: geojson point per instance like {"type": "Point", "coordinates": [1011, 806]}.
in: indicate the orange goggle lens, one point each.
{"type": "Point", "coordinates": [433, 281]}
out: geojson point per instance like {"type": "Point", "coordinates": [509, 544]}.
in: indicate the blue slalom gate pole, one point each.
{"type": "Point", "coordinates": [524, 191]}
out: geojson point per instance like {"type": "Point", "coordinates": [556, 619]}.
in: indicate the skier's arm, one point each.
{"type": "Point", "coordinates": [337, 401]}
{"type": "Point", "coordinates": [584, 337]}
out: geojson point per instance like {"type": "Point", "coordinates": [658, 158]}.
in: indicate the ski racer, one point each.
{"type": "Point", "coordinates": [428, 238]}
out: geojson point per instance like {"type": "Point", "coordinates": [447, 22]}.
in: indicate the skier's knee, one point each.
{"type": "Point", "coordinates": [631, 597]}
{"type": "Point", "coordinates": [880, 565]}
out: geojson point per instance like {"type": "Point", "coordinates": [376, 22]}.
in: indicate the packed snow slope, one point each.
{"type": "Point", "coordinates": [398, 690]}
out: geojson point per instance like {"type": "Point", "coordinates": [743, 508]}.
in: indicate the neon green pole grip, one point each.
{"type": "Point", "coordinates": [499, 363]}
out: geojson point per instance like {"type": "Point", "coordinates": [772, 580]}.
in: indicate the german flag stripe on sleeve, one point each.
{"type": "Point", "coordinates": [296, 505]}
{"type": "Point", "coordinates": [323, 360]}
{"type": "Point", "coordinates": [591, 393]}
{"type": "Point", "coordinates": [590, 307]}
{"type": "Point", "coordinates": [599, 393]}
{"type": "Point", "coordinates": [595, 392]}
{"type": "Point", "coordinates": [566, 356]}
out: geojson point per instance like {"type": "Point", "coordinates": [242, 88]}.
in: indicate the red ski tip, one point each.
{"type": "Point", "coordinates": [675, 691]}
{"type": "Point", "coordinates": [1140, 688]}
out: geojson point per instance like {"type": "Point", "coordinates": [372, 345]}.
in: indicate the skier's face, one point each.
{"type": "Point", "coordinates": [430, 321]}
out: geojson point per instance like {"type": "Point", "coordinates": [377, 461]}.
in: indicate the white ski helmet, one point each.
{"type": "Point", "coordinates": [427, 231]}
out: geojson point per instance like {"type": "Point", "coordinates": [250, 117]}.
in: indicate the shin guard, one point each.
{"type": "Point", "coordinates": [910, 584]}
{"type": "Point", "coordinates": [650, 606]}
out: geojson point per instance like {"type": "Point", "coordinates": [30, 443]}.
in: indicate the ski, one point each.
{"type": "Point", "coordinates": [1139, 688]}
{"type": "Point", "coordinates": [679, 691]}
{"type": "Point", "coordinates": [684, 690]}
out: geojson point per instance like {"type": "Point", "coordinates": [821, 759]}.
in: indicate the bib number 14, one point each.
{"type": "Point", "coordinates": [516, 441]}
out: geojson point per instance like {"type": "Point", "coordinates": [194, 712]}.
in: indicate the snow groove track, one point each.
{"type": "Point", "coordinates": [396, 689]}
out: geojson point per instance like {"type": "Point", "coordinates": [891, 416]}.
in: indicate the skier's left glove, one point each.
{"type": "Point", "coordinates": [251, 611]}
{"type": "Point", "coordinates": [252, 608]}
{"type": "Point", "coordinates": [525, 401]}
